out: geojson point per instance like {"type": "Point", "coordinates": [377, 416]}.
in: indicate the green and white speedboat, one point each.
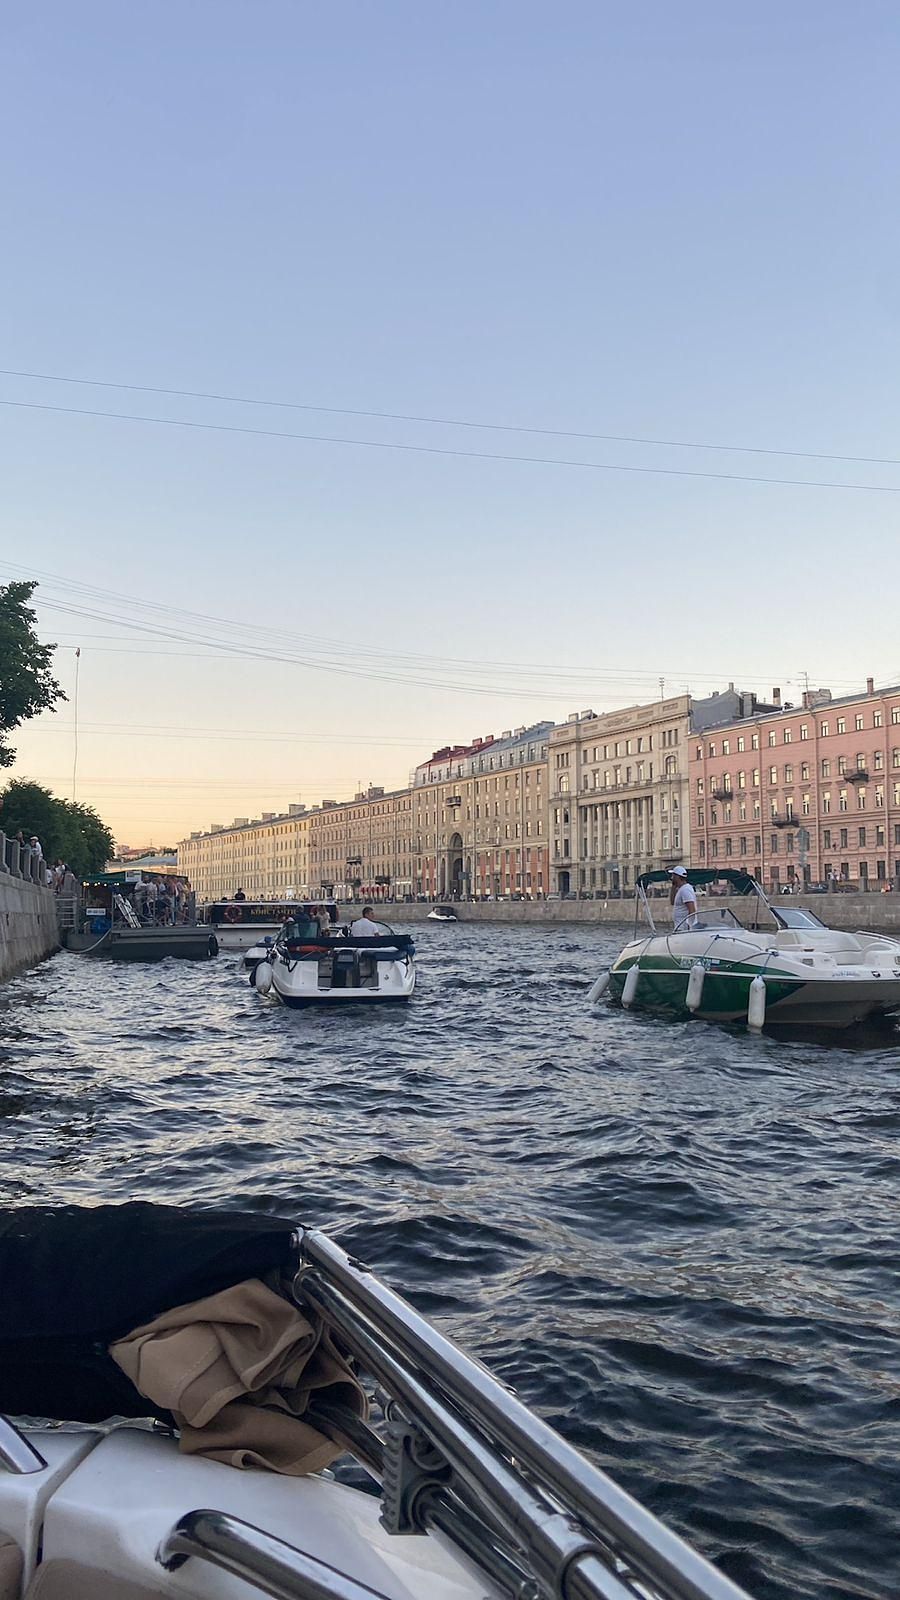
{"type": "Point", "coordinates": [778, 964]}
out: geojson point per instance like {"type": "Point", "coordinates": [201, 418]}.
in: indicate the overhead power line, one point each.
{"type": "Point", "coordinates": [449, 422]}
{"type": "Point", "coordinates": [452, 453]}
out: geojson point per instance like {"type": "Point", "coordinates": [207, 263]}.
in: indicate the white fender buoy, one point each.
{"type": "Point", "coordinates": [598, 989]}
{"type": "Point", "coordinates": [262, 977]}
{"type": "Point", "coordinates": [756, 1005]}
{"type": "Point", "coordinates": [630, 986]}
{"type": "Point", "coordinates": [696, 980]}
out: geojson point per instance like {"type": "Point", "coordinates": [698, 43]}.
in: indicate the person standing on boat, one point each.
{"type": "Point", "coordinates": [684, 900]}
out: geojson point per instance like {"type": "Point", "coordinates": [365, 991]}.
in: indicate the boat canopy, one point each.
{"type": "Point", "coordinates": [741, 881]}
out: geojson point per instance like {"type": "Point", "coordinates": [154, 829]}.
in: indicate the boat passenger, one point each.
{"type": "Point", "coordinates": [365, 927]}
{"type": "Point", "coordinates": [684, 901]}
{"type": "Point", "coordinates": [239, 894]}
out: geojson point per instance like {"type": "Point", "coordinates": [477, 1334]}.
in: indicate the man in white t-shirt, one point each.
{"type": "Point", "coordinates": [365, 927]}
{"type": "Point", "coordinates": [684, 901]}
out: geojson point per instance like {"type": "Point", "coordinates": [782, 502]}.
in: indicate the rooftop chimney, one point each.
{"type": "Point", "coordinates": [776, 697]}
{"type": "Point", "coordinates": [870, 686]}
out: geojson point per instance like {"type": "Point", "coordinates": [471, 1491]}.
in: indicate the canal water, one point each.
{"type": "Point", "coordinates": [678, 1242]}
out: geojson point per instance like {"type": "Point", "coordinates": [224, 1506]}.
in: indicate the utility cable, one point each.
{"type": "Point", "coordinates": [446, 451]}
{"type": "Point", "coordinates": [450, 422]}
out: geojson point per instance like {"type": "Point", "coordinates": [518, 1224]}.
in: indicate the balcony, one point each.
{"type": "Point", "coordinates": [858, 775]}
{"type": "Point", "coordinates": [721, 794]}
{"type": "Point", "coordinates": [779, 820]}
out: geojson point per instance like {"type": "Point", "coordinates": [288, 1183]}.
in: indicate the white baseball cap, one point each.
{"type": "Point", "coordinates": [678, 872]}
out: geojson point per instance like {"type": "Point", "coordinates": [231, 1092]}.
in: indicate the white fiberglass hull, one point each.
{"type": "Point", "coordinates": [94, 1521]}
{"type": "Point", "coordinates": [830, 980]}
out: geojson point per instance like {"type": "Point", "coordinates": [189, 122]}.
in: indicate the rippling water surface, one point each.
{"type": "Point", "coordinates": [680, 1243]}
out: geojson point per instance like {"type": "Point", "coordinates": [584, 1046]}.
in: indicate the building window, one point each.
{"type": "Point", "coordinates": [787, 735]}
{"type": "Point", "coordinates": [726, 747]}
{"type": "Point", "coordinates": [842, 800]}
{"type": "Point", "coordinates": [772, 736]}
{"type": "Point", "coordinates": [743, 845]}
{"type": "Point", "coordinates": [754, 741]}
{"type": "Point", "coordinates": [859, 722]}
{"type": "Point", "coordinates": [712, 749]}
{"type": "Point", "coordinates": [842, 764]}
{"type": "Point", "coordinates": [773, 844]}
{"type": "Point", "coordinates": [862, 837]}
{"type": "Point", "coordinates": [823, 730]}
{"type": "Point", "coordinates": [699, 816]}
{"type": "Point", "coordinates": [844, 838]}
{"type": "Point", "coordinates": [826, 802]}
{"type": "Point", "coordinates": [879, 760]}
{"type": "Point", "coordinates": [788, 774]}
{"type": "Point", "coordinates": [842, 725]}
{"type": "Point", "coordinates": [826, 838]}
{"type": "Point", "coordinates": [806, 805]}
{"type": "Point", "coordinates": [715, 847]}
{"type": "Point", "coordinates": [773, 775]}
{"type": "Point", "coordinates": [742, 780]}
{"type": "Point", "coordinates": [703, 847]}
{"type": "Point", "coordinates": [895, 714]}
{"type": "Point", "coordinates": [860, 762]}
{"type": "Point", "coordinates": [740, 744]}
{"type": "Point", "coordinates": [728, 845]}
{"type": "Point", "coordinates": [877, 719]}
{"type": "Point", "coordinates": [860, 799]}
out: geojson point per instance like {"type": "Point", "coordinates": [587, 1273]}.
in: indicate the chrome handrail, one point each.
{"type": "Point", "coordinates": [18, 1454]}
{"type": "Point", "coordinates": [278, 1569]}
{"type": "Point", "coordinates": [492, 1441]}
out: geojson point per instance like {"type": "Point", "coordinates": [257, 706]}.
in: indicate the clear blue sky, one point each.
{"type": "Point", "coordinates": [678, 222]}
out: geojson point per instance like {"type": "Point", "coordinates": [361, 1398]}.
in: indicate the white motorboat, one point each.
{"type": "Point", "coordinates": [240, 924]}
{"type": "Point", "coordinates": [442, 914]}
{"type": "Point", "coordinates": [473, 1496]}
{"type": "Point", "coordinates": [307, 967]}
{"type": "Point", "coordinates": [796, 970]}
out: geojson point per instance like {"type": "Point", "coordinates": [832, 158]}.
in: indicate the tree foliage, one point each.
{"type": "Point", "coordinates": [27, 685]}
{"type": "Point", "coordinates": [68, 832]}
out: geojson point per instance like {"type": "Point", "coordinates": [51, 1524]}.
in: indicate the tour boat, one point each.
{"type": "Point", "coordinates": [724, 969]}
{"type": "Point", "coordinates": [242, 923]}
{"type": "Point", "coordinates": [457, 1492]}
{"type": "Point", "coordinates": [442, 914]}
{"type": "Point", "coordinates": [305, 966]}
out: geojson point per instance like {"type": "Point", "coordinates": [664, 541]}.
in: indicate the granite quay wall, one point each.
{"type": "Point", "coordinates": [28, 929]}
{"type": "Point", "coordinates": [878, 912]}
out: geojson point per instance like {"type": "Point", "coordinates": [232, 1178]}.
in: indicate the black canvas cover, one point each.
{"type": "Point", "coordinates": [73, 1279]}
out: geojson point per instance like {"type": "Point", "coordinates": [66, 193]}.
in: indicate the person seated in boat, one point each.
{"type": "Point", "coordinates": [365, 927]}
{"type": "Point", "coordinates": [239, 894]}
{"type": "Point", "coordinates": [684, 901]}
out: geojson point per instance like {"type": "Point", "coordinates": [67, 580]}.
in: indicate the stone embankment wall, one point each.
{"type": "Point", "coordinates": [878, 912]}
{"type": "Point", "coordinates": [28, 929]}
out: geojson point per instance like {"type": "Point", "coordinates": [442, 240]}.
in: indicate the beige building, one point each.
{"type": "Point", "coordinates": [362, 848]}
{"type": "Point", "coordinates": [267, 857]}
{"type": "Point", "coordinates": [479, 818]}
{"type": "Point", "coordinates": [619, 802]}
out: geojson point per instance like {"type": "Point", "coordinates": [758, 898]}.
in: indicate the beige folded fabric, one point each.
{"type": "Point", "coordinates": [237, 1370]}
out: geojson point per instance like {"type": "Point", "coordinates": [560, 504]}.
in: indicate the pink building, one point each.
{"type": "Point", "coordinates": [803, 794]}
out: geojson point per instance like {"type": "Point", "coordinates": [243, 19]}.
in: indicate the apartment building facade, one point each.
{"type": "Point", "coordinates": [802, 794]}
{"type": "Point", "coordinates": [619, 794]}
{"type": "Point", "coordinates": [479, 818]}
{"type": "Point", "coordinates": [362, 848]}
{"type": "Point", "coordinates": [267, 857]}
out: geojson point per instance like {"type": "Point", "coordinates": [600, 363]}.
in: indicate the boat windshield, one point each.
{"type": "Point", "coordinates": [795, 917]}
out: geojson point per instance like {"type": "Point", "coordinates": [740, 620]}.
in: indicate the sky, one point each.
{"type": "Point", "coordinates": [647, 223]}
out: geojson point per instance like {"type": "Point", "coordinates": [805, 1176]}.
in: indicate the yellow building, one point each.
{"type": "Point", "coordinates": [362, 848]}
{"type": "Point", "coordinates": [267, 857]}
{"type": "Point", "coordinates": [479, 818]}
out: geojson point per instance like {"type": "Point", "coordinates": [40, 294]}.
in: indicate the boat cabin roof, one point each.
{"type": "Point", "coordinates": [741, 882]}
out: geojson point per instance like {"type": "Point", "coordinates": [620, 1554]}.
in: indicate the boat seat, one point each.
{"type": "Point", "coordinates": [10, 1568]}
